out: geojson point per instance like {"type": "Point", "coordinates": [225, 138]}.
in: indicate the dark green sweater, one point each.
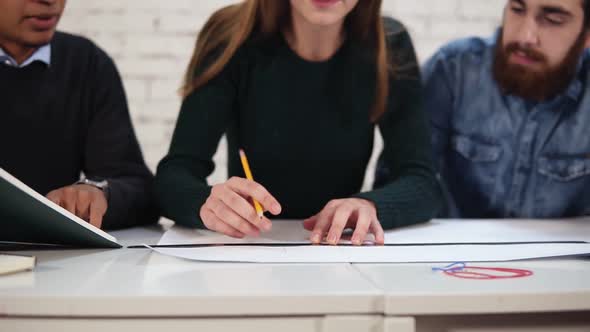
{"type": "Point", "coordinates": [306, 130]}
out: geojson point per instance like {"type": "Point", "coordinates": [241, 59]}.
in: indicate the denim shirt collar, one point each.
{"type": "Point", "coordinates": [42, 54]}
{"type": "Point", "coordinates": [575, 89]}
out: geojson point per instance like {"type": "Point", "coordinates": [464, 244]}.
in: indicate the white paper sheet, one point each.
{"type": "Point", "coordinates": [372, 254]}
{"type": "Point", "coordinates": [283, 231]}
{"type": "Point", "coordinates": [434, 232]}
{"type": "Point", "coordinates": [437, 241]}
{"type": "Point", "coordinates": [493, 231]}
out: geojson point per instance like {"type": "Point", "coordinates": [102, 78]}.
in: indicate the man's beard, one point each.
{"type": "Point", "coordinates": [535, 85]}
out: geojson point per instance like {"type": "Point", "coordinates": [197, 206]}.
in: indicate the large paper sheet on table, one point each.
{"type": "Point", "coordinates": [434, 232]}
{"type": "Point", "coordinates": [436, 241]}
{"type": "Point", "coordinates": [282, 232]}
{"type": "Point", "coordinates": [493, 231]}
{"type": "Point", "coordinates": [375, 254]}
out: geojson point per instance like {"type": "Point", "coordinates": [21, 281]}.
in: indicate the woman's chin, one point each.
{"type": "Point", "coordinates": [323, 19]}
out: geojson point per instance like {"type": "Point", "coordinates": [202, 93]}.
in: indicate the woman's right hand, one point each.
{"type": "Point", "coordinates": [229, 209]}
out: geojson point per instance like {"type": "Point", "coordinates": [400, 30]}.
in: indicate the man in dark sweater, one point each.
{"type": "Point", "coordinates": [65, 129]}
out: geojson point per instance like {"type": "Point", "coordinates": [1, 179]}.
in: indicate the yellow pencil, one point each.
{"type": "Point", "coordinates": [249, 176]}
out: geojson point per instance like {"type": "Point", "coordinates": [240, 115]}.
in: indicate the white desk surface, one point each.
{"type": "Point", "coordinates": [140, 283]}
{"type": "Point", "coordinates": [414, 289]}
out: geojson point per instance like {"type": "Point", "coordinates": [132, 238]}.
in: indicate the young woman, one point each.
{"type": "Point", "coordinates": [300, 85]}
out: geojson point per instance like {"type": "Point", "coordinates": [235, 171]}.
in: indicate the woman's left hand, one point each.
{"type": "Point", "coordinates": [341, 214]}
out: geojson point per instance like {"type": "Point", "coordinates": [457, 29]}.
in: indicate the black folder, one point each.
{"type": "Point", "coordinates": [26, 217]}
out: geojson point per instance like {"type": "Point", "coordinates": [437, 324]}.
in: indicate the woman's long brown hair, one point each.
{"type": "Point", "coordinates": [230, 27]}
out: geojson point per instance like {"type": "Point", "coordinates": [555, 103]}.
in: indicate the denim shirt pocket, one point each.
{"type": "Point", "coordinates": [563, 189]}
{"type": "Point", "coordinates": [474, 150]}
{"type": "Point", "coordinates": [472, 174]}
{"type": "Point", "coordinates": [564, 169]}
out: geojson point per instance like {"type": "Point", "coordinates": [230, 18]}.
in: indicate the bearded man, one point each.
{"type": "Point", "coordinates": [510, 115]}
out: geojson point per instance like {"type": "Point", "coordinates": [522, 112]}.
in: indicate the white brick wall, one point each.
{"type": "Point", "coordinates": [152, 40]}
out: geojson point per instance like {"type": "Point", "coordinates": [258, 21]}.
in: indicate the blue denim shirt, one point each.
{"type": "Point", "coordinates": [500, 156]}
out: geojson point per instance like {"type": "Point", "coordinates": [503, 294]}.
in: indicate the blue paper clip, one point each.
{"type": "Point", "coordinates": [455, 267]}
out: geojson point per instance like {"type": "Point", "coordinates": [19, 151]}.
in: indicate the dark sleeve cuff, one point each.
{"type": "Point", "coordinates": [407, 201]}
{"type": "Point", "coordinates": [180, 198]}
{"type": "Point", "coordinates": [130, 203]}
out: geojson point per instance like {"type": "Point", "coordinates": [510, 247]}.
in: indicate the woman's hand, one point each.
{"type": "Point", "coordinates": [229, 209]}
{"type": "Point", "coordinates": [340, 214]}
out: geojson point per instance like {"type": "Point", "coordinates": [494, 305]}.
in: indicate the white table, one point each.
{"type": "Point", "coordinates": [555, 298]}
{"type": "Point", "coordinates": [137, 290]}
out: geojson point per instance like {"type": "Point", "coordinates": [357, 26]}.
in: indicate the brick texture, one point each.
{"type": "Point", "coordinates": [152, 40]}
